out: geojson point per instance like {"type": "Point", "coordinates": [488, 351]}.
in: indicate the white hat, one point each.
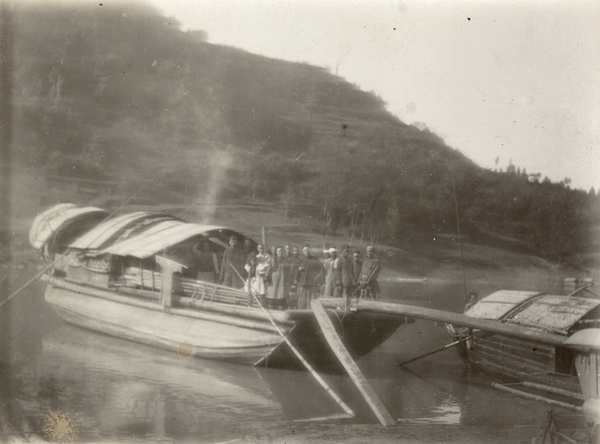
{"type": "Point", "coordinates": [332, 250]}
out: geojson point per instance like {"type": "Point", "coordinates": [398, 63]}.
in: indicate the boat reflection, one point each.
{"type": "Point", "coordinates": [118, 389]}
{"type": "Point", "coordinates": [121, 390]}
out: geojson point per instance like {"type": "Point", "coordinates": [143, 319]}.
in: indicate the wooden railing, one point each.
{"type": "Point", "coordinates": [209, 292]}
{"type": "Point", "coordinates": [194, 289]}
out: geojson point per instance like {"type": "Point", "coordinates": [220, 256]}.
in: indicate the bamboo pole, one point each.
{"type": "Point", "coordinates": [462, 257]}
{"type": "Point", "coordinates": [304, 362]}
{"type": "Point", "coordinates": [564, 405]}
{"type": "Point", "coordinates": [322, 418]}
{"type": "Point", "coordinates": [491, 326]}
{"type": "Point", "coordinates": [555, 390]}
{"type": "Point", "coordinates": [447, 346]}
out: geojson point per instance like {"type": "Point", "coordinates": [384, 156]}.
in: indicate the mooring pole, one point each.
{"type": "Point", "coordinates": [462, 257]}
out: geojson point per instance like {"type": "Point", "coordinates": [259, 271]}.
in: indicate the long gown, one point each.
{"type": "Point", "coordinates": [280, 280]}
{"type": "Point", "coordinates": [330, 278]}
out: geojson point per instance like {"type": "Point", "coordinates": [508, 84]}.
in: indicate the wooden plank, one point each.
{"type": "Point", "coordinates": [519, 345]}
{"type": "Point", "coordinates": [534, 355]}
{"type": "Point", "coordinates": [348, 363]}
{"type": "Point", "coordinates": [431, 314]}
{"type": "Point", "coordinates": [509, 361]}
{"type": "Point", "coordinates": [564, 405]}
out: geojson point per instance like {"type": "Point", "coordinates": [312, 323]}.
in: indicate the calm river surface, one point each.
{"type": "Point", "coordinates": [123, 391]}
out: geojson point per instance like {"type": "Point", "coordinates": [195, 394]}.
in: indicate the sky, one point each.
{"type": "Point", "coordinates": [499, 80]}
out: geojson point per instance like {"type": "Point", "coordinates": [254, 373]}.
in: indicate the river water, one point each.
{"type": "Point", "coordinates": [114, 390]}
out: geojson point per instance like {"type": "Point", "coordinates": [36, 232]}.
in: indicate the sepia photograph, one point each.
{"type": "Point", "coordinates": [300, 221]}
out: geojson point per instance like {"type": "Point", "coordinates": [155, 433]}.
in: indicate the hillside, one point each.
{"type": "Point", "coordinates": [115, 100]}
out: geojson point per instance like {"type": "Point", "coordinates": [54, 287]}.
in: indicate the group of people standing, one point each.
{"type": "Point", "coordinates": [287, 277]}
{"type": "Point", "coordinates": [347, 276]}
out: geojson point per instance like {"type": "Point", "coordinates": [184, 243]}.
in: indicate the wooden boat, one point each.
{"type": "Point", "coordinates": [533, 361]}
{"type": "Point", "coordinates": [132, 276]}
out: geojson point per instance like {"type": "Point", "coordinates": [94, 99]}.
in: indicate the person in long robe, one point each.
{"type": "Point", "coordinates": [309, 269]}
{"type": "Point", "coordinates": [232, 267]}
{"type": "Point", "coordinates": [294, 263]}
{"type": "Point", "coordinates": [320, 279]}
{"type": "Point", "coordinates": [368, 275]}
{"type": "Point", "coordinates": [345, 276]}
{"type": "Point", "coordinates": [356, 266]}
{"type": "Point", "coordinates": [279, 290]}
{"type": "Point", "coordinates": [331, 271]}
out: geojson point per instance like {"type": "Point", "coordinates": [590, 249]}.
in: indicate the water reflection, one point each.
{"type": "Point", "coordinates": [118, 389]}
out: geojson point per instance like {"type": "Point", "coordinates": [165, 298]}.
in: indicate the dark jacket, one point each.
{"type": "Point", "coordinates": [309, 270]}
{"type": "Point", "coordinates": [346, 271]}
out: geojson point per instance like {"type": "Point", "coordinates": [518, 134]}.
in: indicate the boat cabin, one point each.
{"type": "Point", "coordinates": [520, 358]}
{"type": "Point", "coordinates": [126, 252]}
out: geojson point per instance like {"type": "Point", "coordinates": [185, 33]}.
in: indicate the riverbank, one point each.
{"type": "Point", "coordinates": [401, 434]}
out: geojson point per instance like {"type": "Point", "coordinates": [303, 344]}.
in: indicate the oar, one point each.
{"type": "Point", "coordinates": [452, 344]}
{"type": "Point", "coordinates": [349, 412]}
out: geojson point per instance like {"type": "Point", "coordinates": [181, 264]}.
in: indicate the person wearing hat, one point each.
{"type": "Point", "coordinates": [331, 269]}
{"type": "Point", "coordinates": [233, 273]}
{"type": "Point", "coordinates": [345, 276]}
{"type": "Point", "coordinates": [367, 282]}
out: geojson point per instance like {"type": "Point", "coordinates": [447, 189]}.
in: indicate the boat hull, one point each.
{"type": "Point", "coordinates": [186, 335]}
{"type": "Point", "coordinates": [519, 360]}
{"type": "Point", "coordinates": [531, 349]}
{"type": "Point", "coordinates": [237, 335]}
